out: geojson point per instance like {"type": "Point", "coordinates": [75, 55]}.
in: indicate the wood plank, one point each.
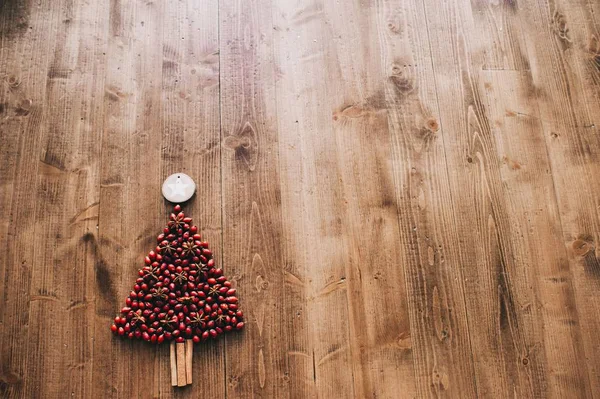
{"type": "Point", "coordinates": [29, 116]}
{"type": "Point", "coordinates": [566, 79]}
{"type": "Point", "coordinates": [60, 355]}
{"type": "Point", "coordinates": [436, 293]}
{"type": "Point", "coordinates": [252, 227]}
{"type": "Point", "coordinates": [191, 143]}
{"type": "Point", "coordinates": [516, 91]}
{"type": "Point", "coordinates": [361, 115]}
{"type": "Point", "coordinates": [507, 336]}
{"type": "Point", "coordinates": [535, 227]}
{"type": "Point", "coordinates": [320, 356]}
{"type": "Point", "coordinates": [130, 202]}
{"type": "Point", "coordinates": [18, 172]}
{"type": "Point", "coordinates": [379, 330]}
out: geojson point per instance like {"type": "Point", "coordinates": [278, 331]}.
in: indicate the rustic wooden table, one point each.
{"type": "Point", "coordinates": [405, 193]}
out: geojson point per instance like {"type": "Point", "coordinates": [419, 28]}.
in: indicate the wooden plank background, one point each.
{"type": "Point", "coordinates": [404, 192]}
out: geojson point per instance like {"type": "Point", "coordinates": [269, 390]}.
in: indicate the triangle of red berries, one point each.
{"type": "Point", "coordinates": [179, 293]}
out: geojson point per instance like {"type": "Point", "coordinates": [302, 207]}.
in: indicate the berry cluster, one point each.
{"type": "Point", "coordinates": [179, 293]}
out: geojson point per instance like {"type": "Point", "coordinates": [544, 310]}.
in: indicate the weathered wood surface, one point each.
{"type": "Point", "coordinates": [404, 192]}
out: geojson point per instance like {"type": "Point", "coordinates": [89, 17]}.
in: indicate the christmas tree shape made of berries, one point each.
{"type": "Point", "coordinates": [179, 296]}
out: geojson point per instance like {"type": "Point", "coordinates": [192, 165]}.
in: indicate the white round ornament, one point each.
{"type": "Point", "coordinates": [178, 188]}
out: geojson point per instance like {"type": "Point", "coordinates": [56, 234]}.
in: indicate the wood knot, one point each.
{"type": "Point", "coordinates": [404, 340]}
{"type": "Point", "coordinates": [581, 247]}
{"type": "Point", "coordinates": [13, 81]}
{"type": "Point", "coordinates": [514, 165]}
{"type": "Point", "coordinates": [402, 83]}
{"type": "Point", "coordinates": [393, 27]}
{"type": "Point", "coordinates": [525, 361]}
{"type": "Point", "coordinates": [24, 106]}
{"type": "Point", "coordinates": [261, 283]}
{"type": "Point", "coordinates": [113, 93]}
{"type": "Point", "coordinates": [433, 125]}
{"type": "Point", "coordinates": [351, 111]}
{"type": "Point", "coordinates": [441, 380]}
{"type": "Point", "coordinates": [559, 23]}
{"type": "Point", "coordinates": [236, 142]}
{"type": "Point", "coordinates": [233, 381]}
{"type": "Point", "coordinates": [11, 378]}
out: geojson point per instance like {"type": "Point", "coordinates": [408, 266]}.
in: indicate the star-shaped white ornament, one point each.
{"type": "Point", "coordinates": [178, 188]}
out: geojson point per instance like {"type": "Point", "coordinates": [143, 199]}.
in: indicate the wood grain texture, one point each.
{"type": "Point", "coordinates": [319, 354]}
{"type": "Point", "coordinates": [403, 192]}
{"type": "Point", "coordinates": [522, 321]}
{"type": "Point", "coordinates": [322, 163]}
{"type": "Point", "coordinates": [439, 330]}
{"type": "Point", "coordinates": [567, 91]}
{"type": "Point", "coordinates": [252, 227]}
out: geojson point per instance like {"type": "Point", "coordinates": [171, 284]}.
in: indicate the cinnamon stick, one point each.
{"type": "Point", "coordinates": [173, 365]}
{"type": "Point", "coordinates": [189, 351]}
{"type": "Point", "coordinates": [181, 376]}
